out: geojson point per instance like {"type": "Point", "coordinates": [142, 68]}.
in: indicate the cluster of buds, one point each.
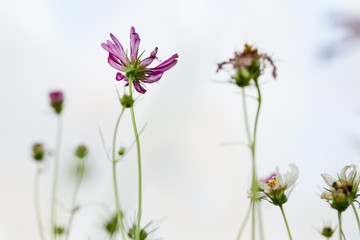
{"type": "Point", "coordinates": [343, 191]}
{"type": "Point", "coordinates": [248, 65]}
{"type": "Point", "coordinates": [275, 188]}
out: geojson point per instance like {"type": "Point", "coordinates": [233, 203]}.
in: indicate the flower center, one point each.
{"type": "Point", "coordinates": [272, 182]}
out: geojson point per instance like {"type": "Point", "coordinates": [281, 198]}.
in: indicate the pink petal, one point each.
{"type": "Point", "coordinates": [150, 78]}
{"type": "Point", "coordinates": [134, 44]}
{"type": "Point", "coordinates": [120, 77]}
{"type": "Point", "coordinates": [139, 88]}
{"type": "Point", "coordinates": [167, 64]}
{"type": "Point", "coordinates": [115, 63]}
{"type": "Point", "coordinates": [147, 61]}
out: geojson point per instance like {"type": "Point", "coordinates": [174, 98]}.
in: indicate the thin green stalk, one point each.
{"type": "Point", "coordinates": [260, 221]}
{"type": "Point", "coordinates": [138, 229]}
{"type": "Point", "coordinates": [55, 178]}
{"type": "Point", "coordinates": [340, 227]}
{"type": "Point", "coordinates": [356, 214]}
{"type": "Point", "coordinates": [286, 223]}
{"type": "Point", "coordinates": [246, 116]}
{"type": "Point", "coordinates": [37, 203]}
{"type": "Point", "coordinates": [73, 202]}
{"type": "Point", "coordinates": [114, 161]}
{"type": "Point", "coordinates": [253, 219]}
{"type": "Point", "coordinates": [243, 224]}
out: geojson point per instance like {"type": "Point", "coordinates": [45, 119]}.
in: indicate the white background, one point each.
{"type": "Point", "coordinates": [194, 186]}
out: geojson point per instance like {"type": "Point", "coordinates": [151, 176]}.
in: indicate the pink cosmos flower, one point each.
{"type": "Point", "coordinates": [133, 67]}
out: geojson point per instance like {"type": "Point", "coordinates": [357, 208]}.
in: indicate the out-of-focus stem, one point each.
{"type": "Point", "coordinates": [37, 203]}
{"type": "Point", "coordinates": [244, 222]}
{"type": "Point", "coordinates": [356, 215]}
{"type": "Point", "coordinates": [138, 228]}
{"type": "Point", "coordinates": [340, 226]}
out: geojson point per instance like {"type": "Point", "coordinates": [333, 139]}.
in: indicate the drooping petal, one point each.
{"type": "Point", "coordinates": [352, 174]}
{"type": "Point", "coordinates": [150, 78]}
{"type": "Point", "coordinates": [119, 77]}
{"type": "Point", "coordinates": [115, 63]}
{"type": "Point", "coordinates": [134, 44]}
{"type": "Point", "coordinates": [111, 48]}
{"type": "Point", "coordinates": [329, 180]}
{"type": "Point", "coordinates": [167, 64]}
{"type": "Point", "coordinates": [139, 88]}
{"type": "Point", "coordinates": [292, 176]}
{"type": "Point", "coordinates": [147, 61]}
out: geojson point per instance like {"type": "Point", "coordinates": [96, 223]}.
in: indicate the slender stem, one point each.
{"type": "Point", "coordinates": [55, 178]}
{"type": "Point", "coordinates": [114, 161]}
{"type": "Point", "coordinates": [260, 221]}
{"type": "Point", "coordinates": [340, 227]}
{"type": "Point", "coordinates": [253, 219]}
{"type": "Point", "coordinates": [286, 223]}
{"type": "Point", "coordinates": [243, 224]}
{"type": "Point", "coordinates": [137, 231]}
{"type": "Point", "coordinates": [37, 203]}
{"type": "Point", "coordinates": [73, 203]}
{"type": "Point", "coordinates": [246, 116]}
{"type": "Point", "coordinates": [356, 215]}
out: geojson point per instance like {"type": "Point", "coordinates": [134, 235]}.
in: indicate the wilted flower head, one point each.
{"type": "Point", "coordinates": [275, 187]}
{"type": "Point", "coordinates": [56, 100]}
{"type": "Point", "coordinates": [248, 65]}
{"type": "Point", "coordinates": [38, 152]}
{"type": "Point", "coordinates": [343, 191]}
{"type": "Point", "coordinates": [135, 69]}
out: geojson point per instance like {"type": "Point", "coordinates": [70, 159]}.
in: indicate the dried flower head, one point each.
{"type": "Point", "coordinates": [248, 65]}
{"type": "Point", "coordinates": [343, 191]}
{"type": "Point", "coordinates": [56, 101]}
{"type": "Point", "coordinates": [135, 69]}
{"type": "Point", "coordinates": [275, 188]}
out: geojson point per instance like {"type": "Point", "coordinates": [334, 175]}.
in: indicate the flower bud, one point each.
{"type": "Point", "coordinates": [127, 101]}
{"type": "Point", "coordinates": [56, 101]}
{"type": "Point", "coordinates": [81, 151]}
{"type": "Point", "coordinates": [132, 231]}
{"type": "Point", "coordinates": [58, 230]}
{"type": "Point", "coordinates": [327, 231]}
{"type": "Point", "coordinates": [38, 152]}
{"type": "Point", "coordinates": [111, 226]}
{"type": "Point", "coordinates": [122, 151]}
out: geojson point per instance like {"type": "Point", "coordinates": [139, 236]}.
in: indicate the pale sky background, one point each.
{"type": "Point", "coordinates": [194, 187]}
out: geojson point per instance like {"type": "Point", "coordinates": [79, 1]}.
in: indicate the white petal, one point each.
{"type": "Point", "coordinates": [329, 180]}
{"type": "Point", "coordinates": [343, 173]}
{"type": "Point", "coordinates": [293, 175]}
{"type": "Point", "coordinates": [352, 174]}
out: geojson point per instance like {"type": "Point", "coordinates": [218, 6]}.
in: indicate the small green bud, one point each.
{"type": "Point", "coordinates": [38, 152]}
{"type": "Point", "coordinates": [111, 226]}
{"type": "Point", "coordinates": [58, 230]}
{"type": "Point", "coordinates": [327, 231]}
{"type": "Point", "coordinates": [132, 231]}
{"type": "Point", "coordinates": [122, 151]}
{"type": "Point", "coordinates": [127, 101]}
{"type": "Point", "coordinates": [81, 151]}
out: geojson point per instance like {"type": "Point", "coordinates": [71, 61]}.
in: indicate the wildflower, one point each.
{"type": "Point", "coordinates": [38, 152]}
{"type": "Point", "coordinates": [56, 100]}
{"type": "Point", "coordinates": [275, 187]}
{"type": "Point", "coordinates": [343, 191]}
{"type": "Point", "coordinates": [135, 69]}
{"type": "Point", "coordinates": [248, 65]}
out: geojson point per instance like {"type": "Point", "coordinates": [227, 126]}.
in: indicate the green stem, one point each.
{"type": "Point", "coordinates": [340, 227]}
{"type": "Point", "coordinates": [246, 116]}
{"type": "Point", "coordinates": [286, 223]}
{"type": "Point", "coordinates": [114, 161]}
{"type": "Point", "coordinates": [73, 206]}
{"type": "Point", "coordinates": [253, 219]}
{"type": "Point", "coordinates": [356, 215]}
{"type": "Point", "coordinates": [260, 221]}
{"type": "Point", "coordinates": [37, 203]}
{"type": "Point", "coordinates": [243, 224]}
{"type": "Point", "coordinates": [138, 229]}
{"type": "Point", "coordinates": [55, 178]}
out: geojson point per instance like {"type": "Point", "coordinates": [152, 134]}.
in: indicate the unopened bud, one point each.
{"type": "Point", "coordinates": [127, 101]}
{"type": "Point", "coordinates": [38, 152]}
{"type": "Point", "coordinates": [81, 151]}
{"type": "Point", "coordinates": [58, 230]}
{"type": "Point", "coordinates": [122, 151]}
{"type": "Point", "coordinates": [56, 101]}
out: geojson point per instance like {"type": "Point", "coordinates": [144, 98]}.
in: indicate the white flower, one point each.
{"type": "Point", "coordinates": [342, 191]}
{"type": "Point", "coordinates": [275, 185]}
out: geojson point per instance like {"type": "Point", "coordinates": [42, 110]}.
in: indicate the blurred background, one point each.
{"type": "Point", "coordinates": [195, 186]}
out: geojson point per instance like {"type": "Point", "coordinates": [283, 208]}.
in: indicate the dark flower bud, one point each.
{"type": "Point", "coordinates": [38, 152]}
{"type": "Point", "coordinates": [127, 101]}
{"type": "Point", "coordinates": [111, 226]}
{"type": "Point", "coordinates": [56, 101]}
{"type": "Point", "coordinates": [132, 231]}
{"type": "Point", "coordinates": [81, 151]}
{"type": "Point", "coordinates": [58, 230]}
{"type": "Point", "coordinates": [122, 151]}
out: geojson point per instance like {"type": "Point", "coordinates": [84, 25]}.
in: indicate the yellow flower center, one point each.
{"type": "Point", "coordinates": [272, 182]}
